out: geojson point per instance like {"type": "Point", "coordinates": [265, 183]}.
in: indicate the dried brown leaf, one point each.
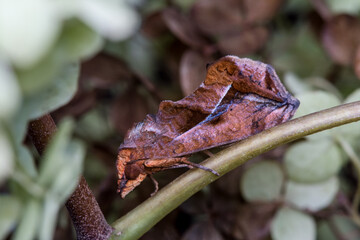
{"type": "Point", "coordinates": [104, 71]}
{"type": "Point", "coordinates": [246, 42]}
{"type": "Point", "coordinates": [154, 25]}
{"type": "Point", "coordinates": [182, 27]}
{"type": "Point", "coordinates": [202, 231]}
{"type": "Point", "coordinates": [340, 37]}
{"type": "Point", "coordinates": [254, 219]}
{"type": "Point", "coordinates": [261, 10]}
{"type": "Point", "coordinates": [216, 17]}
{"type": "Point", "coordinates": [127, 109]}
{"type": "Point", "coordinates": [357, 62]}
{"type": "Point", "coordinates": [192, 71]}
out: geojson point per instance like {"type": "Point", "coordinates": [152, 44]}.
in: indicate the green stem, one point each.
{"type": "Point", "coordinates": [134, 224]}
{"type": "Point", "coordinates": [355, 160]}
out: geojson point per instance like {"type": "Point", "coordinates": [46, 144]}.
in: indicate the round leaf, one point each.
{"type": "Point", "coordinates": [295, 84]}
{"type": "Point", "coordinates": [313, 161]}
{"type": "Point", "coordinates": [290, 224]}
{"type": "Point", "coordinates": [351, 130]}
{"type": "Point", "coordinates": [313, 197]}
{"type": "Point", "coordinates": [262, 182]}
{"type": "Point", "coordinates": [315, 101]}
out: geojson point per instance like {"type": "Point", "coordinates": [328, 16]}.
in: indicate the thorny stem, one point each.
{"type": "Point", "coordinates": [355, 160]}
{"type": "Point", "coordinates": [88, 220]}
{"type": "Point", "coordinates": [134, 224]}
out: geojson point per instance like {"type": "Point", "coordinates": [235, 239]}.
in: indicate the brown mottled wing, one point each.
{"type": "Point", "coordinates": [238, 98]}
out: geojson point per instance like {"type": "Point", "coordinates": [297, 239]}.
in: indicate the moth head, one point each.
{"type": "Point", "coordinates": [130, 174]}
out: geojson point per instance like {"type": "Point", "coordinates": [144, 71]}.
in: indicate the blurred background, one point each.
{"type": "Point", "coordinates": [100, 66]}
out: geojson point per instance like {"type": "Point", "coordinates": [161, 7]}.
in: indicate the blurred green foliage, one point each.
{"type": "Point", "coordinates": [41, 45]}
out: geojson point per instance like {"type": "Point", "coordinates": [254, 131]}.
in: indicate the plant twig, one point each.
{"type": "Point", "coordinates": [86, 215]}
{"type": "Point", "coordinates": [142, 218]}
{"type": "Point", "coordinates": [355, 160]}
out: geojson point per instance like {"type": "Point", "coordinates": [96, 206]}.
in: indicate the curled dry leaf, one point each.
{"type": "Point", "coordinates": [153, 25]}
{"type": "Point", "coordinates": [183, 28]}
{"type": "Point", "coordinates": [104, 70]}
{"type": "Point", "coordinates": [239, 98]}
{"type": "Point", "coordinates": [127, 109]}
{"type": "Point", "coordinates": [261, 10]}
{"type": "Point", "coordinates": [341, 37]}
{"type": "Point", "coordinates": [216, 17]}
{"type": "Point", "coordinates": [245, 42]}
{"type": "Point", "coordinates": [192, 71]}
{"type": "Point", "coordinates": [202, 230]}
{"type": "Point", "coordinates": [254, 219]}
{"type": "Point", "coordinates": [357, 62]}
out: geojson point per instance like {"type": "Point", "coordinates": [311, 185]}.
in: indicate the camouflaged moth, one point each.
{"type": "Point", "coordinates": [239, 98]}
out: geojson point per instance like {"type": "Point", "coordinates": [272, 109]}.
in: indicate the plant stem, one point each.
{"type": "Point", "coordinates": [86, 215]}
{"type": "Point", "coordinates": [355, 160]}
{"type": "Point", "coordinates": [134, 224]}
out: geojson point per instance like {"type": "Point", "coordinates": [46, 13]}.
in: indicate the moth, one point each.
{"type": "Point", "coordinates": [238, 98]}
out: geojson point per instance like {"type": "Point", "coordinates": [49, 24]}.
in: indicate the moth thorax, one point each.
{"type": "Point", "coordinates": [132, 171]}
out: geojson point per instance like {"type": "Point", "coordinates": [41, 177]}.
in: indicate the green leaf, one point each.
{"type": "Point", "coordinates": [262, 181]}
{"type": "Point", "coordinates": [51, 161]}
{"type": "Point", "coordinates": [295, 84]}
{"type": "Point", "coordinates": [54, 96]}
{"type": "Point", "coordinates": [94, 125]}
{"type": "Point", "coordinates": [27, 29]}
{"type": "Point", "coordinates": [25, 160]}
{"type": "Point", "coordinates": [345, 6]}
{"type": "Point", "coordinates": [48, 218]}
{"type": "Point", "coordinates": [10, 209]}
{"type": "Point", "coordinates": [299, 86]}
{"type": "Point", "coordinates": [29, 222]}
{"type": "Point", "coordinates": [113, 20]}
{"type": "Point", "coordinates": [78, 41]}
{"type": "Point", "coordinates": [351, 130]}
{"type": "Point", "coordinates": [313, 197]}
{"type": "Point", "coordinates": [344, 227]}
{"type": "Point", "coordinates": [290, 224]}
{"type": "Point", "coordinates": [60, 170]}
{"type": "Point", "coordinates": [43, 74]}
{"type": "Point", "coordinates": [10, 97]}
{"type": "Point", "coordinates": [312, 161]}
{"type": "Point", "coordinates": [313, 102]}
{"type": "Point", "coordinates": [6, 157]}
{"type": "Point", "coordinates": [298, 51]}
{"type": "Point", "coordinates": [67, 177]}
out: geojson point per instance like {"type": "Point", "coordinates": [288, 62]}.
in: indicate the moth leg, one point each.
{"type": "Point", "coordinates": [171, 163]}
{"type": "Point", "coordinates": [208, 153]}
{"type": "Point", "coordinates": [156, 184]}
